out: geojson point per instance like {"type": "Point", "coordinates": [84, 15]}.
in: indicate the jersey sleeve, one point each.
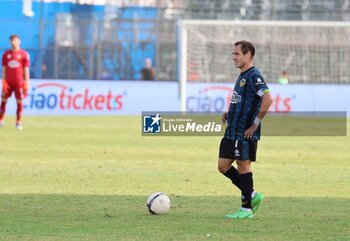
{"type": "Point", "coordinates": [26, 59]}
{"type": "Point", "coordinates": [260, 85]}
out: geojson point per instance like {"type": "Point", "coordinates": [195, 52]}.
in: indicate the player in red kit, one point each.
{"type": "Point", "coordinates": [15, 78]}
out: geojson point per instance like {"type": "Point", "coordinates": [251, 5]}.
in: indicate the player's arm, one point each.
{"type": "Point", "coordinates": [224, 117]}
{"type": "Point", "coordinates": [3, 77]}
{"type": "Point", "coordinates": [264, 108]}
{"type": "Point", "coordinates": [26, 75]}
{"type": "Point", "coordinates": [26, 81]}
{"type": "Point", "coordinates": [3, 72]}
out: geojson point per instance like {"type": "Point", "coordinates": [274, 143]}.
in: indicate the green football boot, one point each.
{"type": "Point", "coordinates": [242, 213]}
{"type": "Point", "coordinates": [256, 201]}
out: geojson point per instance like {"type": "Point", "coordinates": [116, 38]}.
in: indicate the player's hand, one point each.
{"type": "Point", "coordinates": [4, 85]}
{"type": "Point", "coordinates": [224, 117]}
{"type": "Point", "coordinates": [249, 133]}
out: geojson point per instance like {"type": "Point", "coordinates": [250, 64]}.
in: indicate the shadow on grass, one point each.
{"type": "Point", "coordinates": [93, 217]}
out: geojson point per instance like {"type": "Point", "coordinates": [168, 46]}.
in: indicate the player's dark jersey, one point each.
{"type": "Point", "coordinates": [245, 104]}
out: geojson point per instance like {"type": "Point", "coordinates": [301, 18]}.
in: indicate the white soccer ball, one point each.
{"type": "Point", "coordinates": [158, 203]}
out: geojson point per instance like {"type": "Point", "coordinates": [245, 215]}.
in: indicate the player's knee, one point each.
{"type": "Point", "coordinates": [243, 167]}
{"type": "Point", "coordinates": [223, 167]}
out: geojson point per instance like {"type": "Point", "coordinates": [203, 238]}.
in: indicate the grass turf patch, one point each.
{"type": "Point", "coordinates": [88, 178]}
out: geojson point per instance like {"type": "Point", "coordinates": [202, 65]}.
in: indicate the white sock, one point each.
{"type": "Point", "coordinates": [253, 194]}
{"type": "Point", "coordinates": [247, 209]}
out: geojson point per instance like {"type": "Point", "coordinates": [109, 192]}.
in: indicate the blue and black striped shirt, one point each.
{"type": "Point", "coordinates": [245, 104]}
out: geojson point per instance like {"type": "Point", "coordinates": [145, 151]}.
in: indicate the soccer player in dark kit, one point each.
{"type": "Point", "coordinates": [250, 102]}
{"type": "Point", "coordinates": [15, 78]}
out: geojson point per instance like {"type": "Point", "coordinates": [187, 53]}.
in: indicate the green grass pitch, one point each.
{"type": "Point", "coordinates": [88, 178]}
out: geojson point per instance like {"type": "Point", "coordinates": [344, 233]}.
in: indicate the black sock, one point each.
{"type": "Point", "coordinates": [246, 180]}
{"type": "Point", "coordinates": [233, 175]}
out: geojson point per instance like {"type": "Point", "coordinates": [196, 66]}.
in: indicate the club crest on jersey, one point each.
{"type": "Point", "coordinates": [9, 56]}
{"type": "Point", "coordinates": [242, 82]}
{"type": "Point", "coordinates": [19, 56]}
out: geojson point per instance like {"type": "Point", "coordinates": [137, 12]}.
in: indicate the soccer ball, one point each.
{"type": "Point", "coordinates": [158, 203]}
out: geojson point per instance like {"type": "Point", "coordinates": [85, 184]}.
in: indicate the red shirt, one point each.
{"type": "Point", "coordinates": [15, 62]}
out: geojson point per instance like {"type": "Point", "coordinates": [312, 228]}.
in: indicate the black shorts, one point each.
{"type": "Point", "coordinates": [238, 150]}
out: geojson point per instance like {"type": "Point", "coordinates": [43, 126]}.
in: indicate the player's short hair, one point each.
{"type": "Point", "coordinates": [246, 47]}
{"type": "Point", "coordinates": [14, 36]}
